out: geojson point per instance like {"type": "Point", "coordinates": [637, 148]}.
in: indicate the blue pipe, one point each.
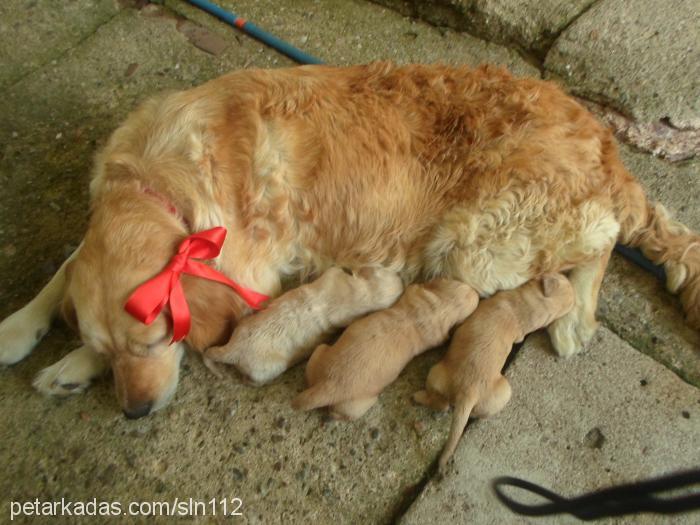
{"type": "Point", "coordinates": [248, 27]}
{"type": "Point", "coordinates": [632, 254]}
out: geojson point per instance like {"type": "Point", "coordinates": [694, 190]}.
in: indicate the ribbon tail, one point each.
{"type": "Point", "coordinates": [254, 299]}
{"type": "Point", "coordinates": [179, 311]}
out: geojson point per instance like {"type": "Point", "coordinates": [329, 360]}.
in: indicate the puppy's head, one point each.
{"type": "Point", "coordinates": [130, 239]}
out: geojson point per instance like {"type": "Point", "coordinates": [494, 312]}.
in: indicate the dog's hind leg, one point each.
{"type": "Point", "coordinates": [21, 332]}
{"type": "Point", "coordinates": [72, 374]}
{"type": "Point", "coordinates": [570, 333]}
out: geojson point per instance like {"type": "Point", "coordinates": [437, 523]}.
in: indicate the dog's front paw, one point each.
{"type": "Point", "coordinates": [570, 334]}
{"type": "Point", "coordinates": [72, 374]}
{"type": "Point", "coordinates": [19, 334]}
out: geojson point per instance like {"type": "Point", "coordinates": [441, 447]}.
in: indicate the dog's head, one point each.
{"type": "Point", "coordinates": [130, 239]}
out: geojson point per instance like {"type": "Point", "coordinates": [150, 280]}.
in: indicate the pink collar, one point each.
{"type": "Point", "coordinates": [168, 205]}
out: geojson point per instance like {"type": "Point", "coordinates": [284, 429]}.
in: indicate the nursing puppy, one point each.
{"type": "Point", "coordinates": [469, 376]}
{"type": "Point", "coordinates": [373, 351]}
{"type": "Point", "coordinates": [266, 344]}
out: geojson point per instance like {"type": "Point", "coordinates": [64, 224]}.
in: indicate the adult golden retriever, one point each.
{"type": "Point", "coordinates": [428, 170]}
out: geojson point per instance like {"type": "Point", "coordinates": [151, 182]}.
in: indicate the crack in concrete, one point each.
{"type": "Point", "coordinates": [566, 26]}
{"type": "Point", "coordinates": [639, 348]}
{"type": "Point", "coordinates": [62, 54]}
{"type": "Point", "coordinates": [432, 471]}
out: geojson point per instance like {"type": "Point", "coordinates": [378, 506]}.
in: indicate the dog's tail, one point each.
{"type": "Point", "coordinates": [463, 408]}
{"type": "Point", "coordinates": [662, 240]}
{"type": "Point", "coordinates": [320, 395]}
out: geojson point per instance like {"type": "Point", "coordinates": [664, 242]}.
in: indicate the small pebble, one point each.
{"type": "Point", "coordinates": [238, 475]}
{"type": "Point", "coordinates": [59, 136]}
{"type": "Point", "coordinates": [419, 427]}
{"type": "Point", "coordinates": [85, 416]}
{"type": "Point", "coordinates": [594, 438]}
{"type": "Point", "coordinates": [131, 69]}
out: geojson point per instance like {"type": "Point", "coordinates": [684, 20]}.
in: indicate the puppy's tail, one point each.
{"type": "Point", "coordinates": [463, 408]}
{"type": "Point", "coordinates": [320, 395]}
{"type": "Point", "coordinates": [662, 240]}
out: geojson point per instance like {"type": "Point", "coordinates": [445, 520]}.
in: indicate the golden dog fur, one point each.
{"type": "Point", "coordinates": [373, 351]}
{"type": "Point", "coordinates": [431, 170]}
{"type": "Point", "coordinates": [267, 343]}
{"type": "Point", "coordinates": [469, 376]}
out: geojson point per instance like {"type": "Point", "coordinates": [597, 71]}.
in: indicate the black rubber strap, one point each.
{"type": "Point", "coordinates": [630, 498]}
{"type": "Point", "coordinates": [637, 257]}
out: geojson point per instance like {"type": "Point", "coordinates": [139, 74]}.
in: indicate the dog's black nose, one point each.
{"type": "Point", "coordinates": [138, 411]}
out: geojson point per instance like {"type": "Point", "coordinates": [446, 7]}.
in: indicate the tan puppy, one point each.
{"type": "Point", "coordinates": [469, 376]}
{"type": "Point", "coordinates": [269, 342]}
{"type": "Point", "coordinates": [372, 352]}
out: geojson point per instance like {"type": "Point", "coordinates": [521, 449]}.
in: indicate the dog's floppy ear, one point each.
{"type": "Point", "coordinates": [214, 309]}
{"type": "Point", "coordinates": [550, 285]}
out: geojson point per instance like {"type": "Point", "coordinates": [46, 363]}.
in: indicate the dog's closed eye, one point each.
{"type": "Point", "coordinates": [145, 349]}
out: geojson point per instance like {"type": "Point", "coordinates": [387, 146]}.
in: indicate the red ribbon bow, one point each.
{"type": "Point", "coordinates": [165, 288]}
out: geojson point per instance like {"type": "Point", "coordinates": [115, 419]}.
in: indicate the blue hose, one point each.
{"type": "Point", "coordinates": [248, 27]}
{"type": "Point", "coordinates": [632, 254]}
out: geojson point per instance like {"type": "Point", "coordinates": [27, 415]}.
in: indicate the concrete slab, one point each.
{"type": "Point", "coordinates": [637, 307]}
{"type": "Point", "coordinates": [640, 57]}
{"type": "Point", "coordinates": [343, 33]}
{"type": "Point", "coordinates": [633, 303]}
{"type": "Point", "coordinates": [530, 25]}
{"type": "Point", "coordinates": [218, 439]}
{"type": "Point", "coordinates": [645, 421]}
{"type": "Point", "coordinates": [32, 33]}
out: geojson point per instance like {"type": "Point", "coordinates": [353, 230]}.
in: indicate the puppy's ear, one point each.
{"type": "Point", "coordinates": [550, 285]}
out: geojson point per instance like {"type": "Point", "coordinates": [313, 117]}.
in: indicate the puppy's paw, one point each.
{"type": "Point", "coordinates": [219, 354]}
{"type": "Point", "coordinates": [570, 334]}
{"type": "Point", "coordinates": [19, 334]}
{"type": "Point", "coordinates": [72, 374]}
{"type": "Point", "coordinates": [422, 398]}
{"type": "Point", "coordinates": [431, 400]}
{"type": "Point", "coordinates": [213, 367]}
